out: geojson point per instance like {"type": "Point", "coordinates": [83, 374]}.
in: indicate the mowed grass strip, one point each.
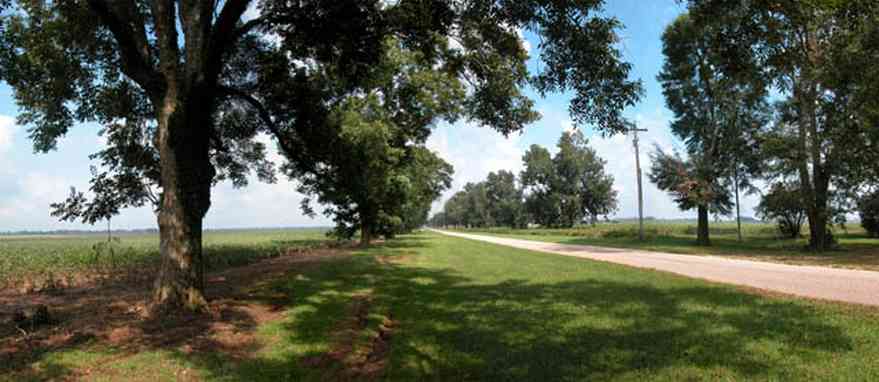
{"type": "Point", "coordinates": [468, 310]}
{"type": "Point", "coordinates": [760, 242]}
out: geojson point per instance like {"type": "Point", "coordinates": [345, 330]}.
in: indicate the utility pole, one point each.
{"type": "Point", "coordinates": [634, 132]}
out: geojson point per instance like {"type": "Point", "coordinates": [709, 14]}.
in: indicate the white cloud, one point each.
{"type": "Point", "coordinates": [568, 126]}
{"type": "Point", "coordinates": [25, 195]}
{"type": "Point", "coordinates": [32, 194]}
{"type": "Point", "coordinates": [7, 134]}
{"type": "Point", "coordinates": [618, 151]}
{"type": "Point", "coordinates": [7, 124]}
{"type": "Point", "coordinates": [525, 43]}
{"type": "Point", "coordinates": [474, 152]}
{"type": "Point", "coordinates": [261, 204]}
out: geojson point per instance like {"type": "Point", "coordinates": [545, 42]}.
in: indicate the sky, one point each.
{"type": "Point", "coordinates": [29, 182]}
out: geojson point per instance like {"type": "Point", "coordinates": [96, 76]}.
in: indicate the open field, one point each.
{"type": "Point", "coordinates": [428, 307]}
{"type": "Point", "coordinates": [32, 262]}
{"type": "Point", "coordinates": [761, 242]}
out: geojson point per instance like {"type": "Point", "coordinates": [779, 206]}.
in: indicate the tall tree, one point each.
{"type": "Point", "coordinates": [365, 168]}
{"type": "Point", "coordinates": [538, 179]}
{"type": "Point", "coordinates": [160, 62]}
{"type": "Point", "coordinates": [207, 82]}
{"type": "Point", "coordinates": [505, 199]}
{"type": "Point", "coordinates": [454, 210]}
{"type": "Point", "coordinates": [570, 186]}
{"type": "Point", "coordinates": [476, 211]}
{"type": "Point", "coordinates": [717, 112]}
{"type": "Point", "coordinates": [818, 56]}
{"type": "Point", "coordinates": [429, 175]}
{"type": "Point", "coordinates": [581, 178]}
{"type": "Point", "coordinates": [692, 185]}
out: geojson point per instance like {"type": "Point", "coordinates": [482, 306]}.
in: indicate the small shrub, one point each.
{"type": "Point", "coordinates": [783, 204]}
{"type": "Point", "coordinates": [868, 209]}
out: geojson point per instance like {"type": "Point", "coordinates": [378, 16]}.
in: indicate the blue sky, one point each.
{"type": "Point", "coordinates": [29, 182]}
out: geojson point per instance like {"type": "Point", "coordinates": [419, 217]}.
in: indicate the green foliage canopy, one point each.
{"type": "Point", "coordinates": [820, 57]}
{"type": "Point", "coordinates": [784, 205]}
{"type": "Point", "coordinates": [563, 190]}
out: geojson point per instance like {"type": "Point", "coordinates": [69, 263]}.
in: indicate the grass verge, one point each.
{"type": "Point", "coordinates": [856, 250]}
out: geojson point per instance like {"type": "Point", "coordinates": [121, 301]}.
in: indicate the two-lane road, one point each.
{"type": "Point", "coordinates": [846, 285]}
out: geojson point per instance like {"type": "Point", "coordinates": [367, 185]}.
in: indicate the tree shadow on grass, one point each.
{"type": "Point", "coordinates": [452, 327]}
{"type": "Point", "coordinates": [409, 243]}
{"type": "Point", "coordinates": [102, 327]}
{"type": "Point", "coordinates": [106, 321]}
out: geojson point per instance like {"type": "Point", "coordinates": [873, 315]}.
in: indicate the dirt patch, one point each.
{"type": "Point", "coordinates": [395, 259]}
{"type": "Point", "coordinates": [377, 357]}
{"type": "Point", "coordinates": [355, 354]}
{"type": "Point", "coordinates": [114, 314]}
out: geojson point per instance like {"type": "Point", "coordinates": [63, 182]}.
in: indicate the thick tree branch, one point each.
{"type": "Point", "coordinates": [166, 34]}
{"type": "Point", "coordinates": [223, 37]}
{"type": "Point", "coordinates": [286, 146]}
{"type": "Point", "coordinates": [136, 63]}
{"type": "Point", "coordinates": [196, 18]}
{"type": "Point", "coordinates": [131, 12]}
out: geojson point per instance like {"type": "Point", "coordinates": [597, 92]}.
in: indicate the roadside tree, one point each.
{"type": "Point", "coordinates": [202, 82]}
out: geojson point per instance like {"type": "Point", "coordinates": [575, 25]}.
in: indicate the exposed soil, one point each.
{"type": "Point", "coordinates": [350, 357]}
{"type": "Point", "coordinates": [115, 314]}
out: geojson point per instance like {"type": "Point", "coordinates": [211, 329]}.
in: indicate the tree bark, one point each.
{"type": "Point", "coordinates": [365, 233]}
{"type": "Point", "coordinates": [738, 207]}
{"type": "Point", "coordinates": [814, 185]}
{"type": "Point", "coordinates": [813, 180]}
{"type": "Point", "coordinates": [187, 174]}
{"type": "Point", "coordinates": [819, 239]}
{"type": "Point", "coordinates": [702, 234]}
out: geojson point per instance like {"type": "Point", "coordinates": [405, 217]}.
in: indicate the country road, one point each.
{"type": "Point", "coordinates": [845, 285]}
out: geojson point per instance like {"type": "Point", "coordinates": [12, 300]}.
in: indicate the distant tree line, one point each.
{"type": "Point", "coordinates": [561, 190]}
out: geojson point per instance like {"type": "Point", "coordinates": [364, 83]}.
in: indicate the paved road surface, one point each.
{"type": "Point", "coordinates": [853, 286]}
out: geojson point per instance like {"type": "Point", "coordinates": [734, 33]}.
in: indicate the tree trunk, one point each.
{"type": "Point", "coordinates": [815, 185]}
{"type": "Point", "coordinates": [187, 174]}
{"type": "Point", "coordinates": [365, 233]}
{"type": "Point", "coordinates": [702, 235]}
{"type": "Point", "coordinates": [738, 207]}
{"type": "Point", "coordinates": [819, 239]}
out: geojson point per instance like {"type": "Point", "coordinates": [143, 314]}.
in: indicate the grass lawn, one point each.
{"type": "Point", "coordinates": [428, 307]}
{"type": "Point", "coordinates": [760, 242]}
